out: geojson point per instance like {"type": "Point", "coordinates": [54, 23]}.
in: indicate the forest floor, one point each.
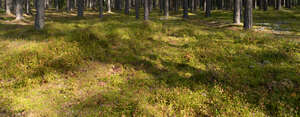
{"type": "Point", "coordinates": [120, 66]}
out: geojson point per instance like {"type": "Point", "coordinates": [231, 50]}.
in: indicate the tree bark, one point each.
{"type": "Point", "coordinates": [80, 8]}
{"type": "Point", "coordinates": [204, 5]}
{"type": "Point", "coordinates": [265, 5]}
{"type": "Point", "coordinates": [8, 7]}
{"type": "Point", "coordinates": [68, 5]}
{"type": "Point", "coordinates": [248, 16]}
{"type": "Point", "coordinates": [146, 10]}
{"type": "Point", "coordinates": [237, 12]}
{"type": "Point", "coordinates": [40, 14]}
{"type": "Point", "coordinates": [208, 8]}
{"type": "Point", "coordinates": [108, 6]}
{"type": "Point", "coordinates": [137, 7]}
{"type": "Point", "coordinates": [127, 7]}
{"type": "Point", "coordinates": [278, 7]}
{"type": "Point", "coordinates": [27, 8]}
{"type": "Point", "coordinates": [166, 8]}
{"type": "Point", "coordinates": [19, 9]}
{"type": "Point", "coordinates": [185, 9]}
{"type": "Point", "coordinates": [100, 8]}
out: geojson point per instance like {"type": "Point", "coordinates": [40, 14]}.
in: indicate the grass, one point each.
{"type": "Point", "coordinates": [120, 66]}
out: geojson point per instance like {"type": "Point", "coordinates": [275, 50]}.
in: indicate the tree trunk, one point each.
{"type": "Point", "coordinates": [40, 14]}
{"type": "Point", "coordinates": [204, 5]}
{"type": "Point", "coordinates": [150, 5]}
{"type": "Point", "coordinates": [278, 7]}
{"type": "Point", "coordinates": [19, 9]}
{"type": "Point", "coordinates": [8, 7]}
{"type": "Point", "coordinates": [108, 6]}
{"type": "Point", "coordinates": [265, 5]}
{"type": "Point", "coordinates": [146, 10]}
{"type": "Point", "coordinates": [208, 8]}
{"type": "Point", "coordinates": [248, 16]}
{"type": "Point", "coordinates": [166, 8]}
{"type": "Point", "coordinates": [68, 5]}
{"type": "Point", "coordinates": [185, 9]}
{"type": "Point", "coordinates": [237, 12]}
{"type": "Point", "coordinates": [100, 8]}
{"type": "Point", "coordinates": [127, 7]}
{"type": "Point", "coordinates": [80, 8]}
{"type": "Point", "coordinates": [137, 7]}
{"type": "Point", "coordinates": [27, 8]}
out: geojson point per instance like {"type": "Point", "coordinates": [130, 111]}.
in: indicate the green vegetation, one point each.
{"type": "Point", "coordinates": [122, 66]}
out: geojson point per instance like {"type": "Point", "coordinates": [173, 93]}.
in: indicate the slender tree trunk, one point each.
{"type": "Point", "coordinates": [204, 5]}
{"type": "Point", "coordinates": [161, 6]}
{"type": "Point", "coordinates": [68, 5]}
{"type": "Point", "coordinates": [19, 9]}
{"type": "Point", "coordinates": [185, 9]}
{"type": "Point", "coordinates": [137, 7]}
{"type": "Point", "coordinates": [208, 8]}
{"type": "Point", "coordinates": [265, 5]}
{"type": "Point", "coordinates": [166, 8]}
{"type": "Point", "coordinates": [278, 7]}
{"type": "Point", "coordinates": [248, 16]}
{"type": "Point", "coordinates": [237, 12]}
{"type": "Point", "coordinates": [8, 7]}
{"type": "Point", "coordinates": [108, 6]}
{"type": "Point", "coordinates": [100, 8]}
{"type": "Point", "coordinates": [80, 8]}
{"type": "Point", "coordinates": [127, 7]}
{"type": "Point", "coordinates": [40, 14]}
{"type": "Point", "coordinates": [146, 10]}
{"type": "Point", "coordinates": [27, 7]}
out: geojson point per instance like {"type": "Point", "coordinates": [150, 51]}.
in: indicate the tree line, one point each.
{"type": "Point", "coordinates": [241, 8]}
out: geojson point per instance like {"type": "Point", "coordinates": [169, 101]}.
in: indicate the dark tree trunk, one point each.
{"type": "Point", "coordinates": [137, 7]}
{"type": "Point", "coordinates": [278, 7]}
{"type": "Point", "coordinates": [237, 12]}
{"type": "Point", "coordinates": [80, 8]}
{"type": "Point", "coordinates": [161, 5]}
{"type": "Point", "coordinates": [166, 8]}
{"type": "Point", "coordinates": [265, 5]}
{"type": "Point", "coordinates": [127, 7]}
{"type": "Point", "coordinates": [248, 16]}
{"type": "Point", "coordinates": [71, 5]}
{"type": "Point", "coordinates": [19, 9]}
{"type": "Point", "coordinates": [146, 10]}
{"type": "Point", "coordinates": [185, 9]}
{"type": "Point", "coordinates": [56, 4]}
{"type": "Point", "coordinates": [100, 8]}
{"type": "Point", "coordinates": [208, 8]}
{"type": "Point", "coordinates": [40, 14]}
{"type": "Point", "coordinates": [150, 5]}
{"type": "Point", "coordinates": [8, 6]}
{"type": "Point", "coordinates": [261, 4]}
